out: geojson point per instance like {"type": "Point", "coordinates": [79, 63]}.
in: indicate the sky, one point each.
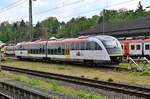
{"type": "Point", "coordinates": [64, 10]}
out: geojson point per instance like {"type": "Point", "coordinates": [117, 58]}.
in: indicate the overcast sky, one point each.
{"type": "Point", "coordinates": [64, 10]}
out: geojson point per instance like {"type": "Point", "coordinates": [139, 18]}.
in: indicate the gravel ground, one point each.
{"type": "Point", "coordinates": [106, 93]}
{"type": "Point", "coordinates": [86, 71]}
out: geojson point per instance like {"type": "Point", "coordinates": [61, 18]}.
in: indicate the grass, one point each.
{"type": "Point", "coordinates": [5, 75]}
{"type": "Point", "coordinates": [125, 65]}
{"type": "Point", "coordinates": [84, 71]}
{"type": "Point", "coordinates": [52, 85]}
{"type": "Point", "coordinates": [143, 73]}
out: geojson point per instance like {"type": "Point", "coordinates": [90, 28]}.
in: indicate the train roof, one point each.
{"type": "Point", "coordinates": [135, 41]}
{"type": "Point", "coordinates": [105, 37]}
{"type": "Point", "coordinates": [147, 40]}
{"type": "Point", "coordinates": [131, 41]}
{"type": "Point", "coordinates": [79, 39]}
{"type": "Point", "coordinates": [56, 41]}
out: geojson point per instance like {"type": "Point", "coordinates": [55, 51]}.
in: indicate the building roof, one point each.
{"type": "Point", "coordinates": [137, 27]}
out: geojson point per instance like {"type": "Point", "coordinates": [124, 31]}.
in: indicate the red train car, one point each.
{"type": "Point", "coordinates": [136, 47]}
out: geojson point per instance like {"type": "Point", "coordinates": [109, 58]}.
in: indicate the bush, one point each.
{"type": "Point", "coordinates": [145, 73]}
{"type": "Point", "coordinates": [96, 78]}
{"type": "Point", "coordinates": [110, 80]}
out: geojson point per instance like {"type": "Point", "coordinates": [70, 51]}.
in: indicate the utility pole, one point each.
{"type": "Point", "coordinates": [103, 21]}
{"type": "Point", "coordinates": [30, 19]}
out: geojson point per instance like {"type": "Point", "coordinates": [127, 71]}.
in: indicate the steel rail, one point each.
{"type": "Point", "coordinates": [4, 96]}
{"type": "Point", "coordinates": [19, 92]}
{"type": "Point", "coordinates": [112, 86]}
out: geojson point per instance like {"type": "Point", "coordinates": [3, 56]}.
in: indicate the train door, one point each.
{"type": "Point", "coordinates": [147, 49]}
{"type": "Point", "coordinates": [14, 49]}
{"type": "Point", "coordinates": [122, 46]}
{"type": "Point", "coordinates": [67, 51]}
{"type": "Point", "coordinates": [126, 48]}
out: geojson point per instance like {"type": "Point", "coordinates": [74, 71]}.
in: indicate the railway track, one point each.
{"type": "Point", "coordinates": [117, 87]}
{"type": "Point", "coordinates": [102, 66]}
{"type": "Point", "coordinates": [3, 96]}
{"type": "Point", "coordinates": [17, 91]}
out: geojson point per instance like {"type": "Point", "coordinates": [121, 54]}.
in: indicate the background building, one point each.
{"type": "Point", "coordinates": [132, 28]}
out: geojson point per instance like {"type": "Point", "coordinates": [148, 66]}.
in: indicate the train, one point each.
{"type": "Point", "coordinates": [136, 48]}
{"type": "Point", "coordinates": [9, 49]}
{"type": "Point", "coordinates": [88, 50]}
{"type": "Point", "coordinates": [67, 50]}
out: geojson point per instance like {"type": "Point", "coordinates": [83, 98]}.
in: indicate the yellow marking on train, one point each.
{"type": "Point", "coordinates": [67, 53]}
{"type": "Point", "coordinates": [116, 54]}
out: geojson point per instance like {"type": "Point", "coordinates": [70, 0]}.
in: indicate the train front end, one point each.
{"type": "Point", "coordinates": [113, 48]}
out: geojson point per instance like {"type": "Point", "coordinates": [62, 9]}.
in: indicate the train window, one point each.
{"type": "Point", "coordinates": [38, 51]}
{"type": "Point", "coordinates": [88, 46]}
{"type": "Point", "coordinates": [132, 47]}
{"type": "Point", "coordinates": [147, 47]}
{"type": "Point", "coordinates": [63, 49]}
{"type": "Point", "coordinates": [49, 51]}
{"type": "Point", "coordinates": [138, 47]}
{"type": "Point", "coordinates": [55, 51]}
{"type": "Point", "coordinates": [49, 47]}
{"type": "Point", "coordinates": [35, 51]}
{"type": "Point", "coordinates": [72, 46]}
{"type": "Point", "coordinates": [97, 47]}
{"type": "Point", "coordinates": [76, 46]}
{"type": "Point", "coordinates": [42, 52]}
{"type": "Point", "coordinates": [92, 45]}
{"type": "Point", "coordinates": [82, 46]}
{"type": "Point", "coordinates": [20, 46]}
{"type": "Point", "coordinates": [31, 51]}
{"type": "Point", "coordinates": [122, 46]}
{"type": "Point", "coordinates": [52, 51]}
{"type": "Point", "coordinates": [59, 50]}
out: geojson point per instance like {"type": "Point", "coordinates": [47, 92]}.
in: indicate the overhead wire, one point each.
{"type": "Point", "coordinates": [101, 8]}
{"type": "Point", "coordinates": [80, 13]}
{"type": "Point", "coordinates": [55, 8]}
{"type": "Point", "coordinates": [58, 7]}
{"type": "Point", "coordinates": [73, 3]}
{"type": "Point", "coordinates": [11, 6]}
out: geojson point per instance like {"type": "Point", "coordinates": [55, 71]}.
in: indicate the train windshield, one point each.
{"type": "Point", "coordinates": [112, 46]}
{"type": "Point", "coordinates": [110, 43]}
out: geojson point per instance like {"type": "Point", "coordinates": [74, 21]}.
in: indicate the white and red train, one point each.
{"type": "Point", "coordinates": [9, 49]}
{"type": "Point", "coordinates": [78, 49]}
{"type": "Point", "coordinates": [136, 47]}
{"type": "Point", "coordinates": [95, 49]}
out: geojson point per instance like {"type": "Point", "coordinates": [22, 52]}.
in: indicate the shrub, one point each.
{"type": "Point", "coordinates": [110, 80]}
